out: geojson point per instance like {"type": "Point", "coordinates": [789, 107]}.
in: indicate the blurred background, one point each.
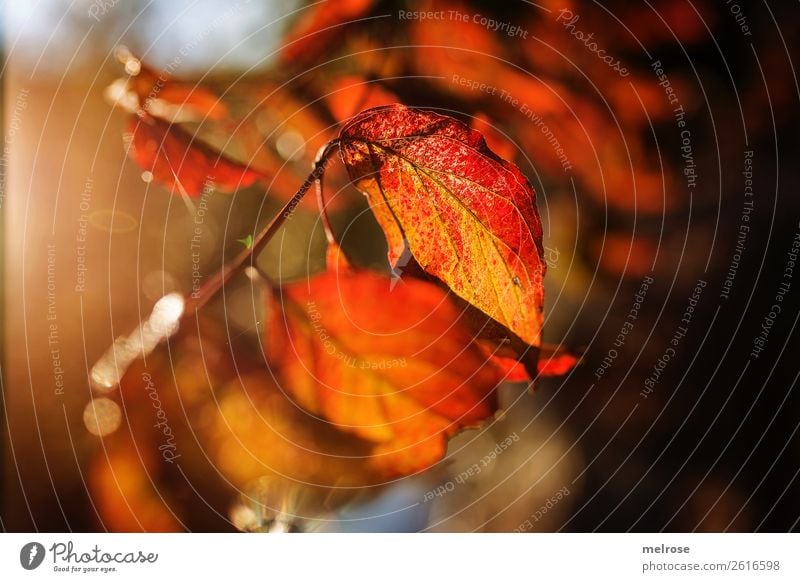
{"type": "Point", "coordinates": [661, 139]}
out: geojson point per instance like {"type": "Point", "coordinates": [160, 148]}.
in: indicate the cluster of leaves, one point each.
{"type": "Point", "coordinates": [611, 127]}
{"type": "Point", "coordinates": [323, 398]}
{"type": "Point", "coordinates": [392, 371]}
{"type": "Point", "coordinates": [352, 382]}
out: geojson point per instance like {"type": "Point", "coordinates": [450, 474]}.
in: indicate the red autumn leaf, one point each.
{"type": "Point", "coordinates": [182, 163]}
{"type": "Point", "coordinates": [468, 217]}
{"type": "Point", "coordinates": [517, 361]}
{"type": "Point", "coordinates": [395, 368]}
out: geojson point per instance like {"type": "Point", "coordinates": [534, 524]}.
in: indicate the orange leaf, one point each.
{"type": "Point", "coordinates": [395, 368]}
{"type": "Point", "coordinates": [123, 491]}
{"type": "Point", "coordinates": [336, 259]}
{"type": "Point", "coordinates": [220, 430]}
{"type": "Point", "coordinates": [164, 97]}
{"type": "Point", "coordinates": [350, 94]}
{"type": "Point", "coordinates": [182, 163]}
{"type": "Point", "coordinates": [160, 95]}
{"type": "Point", "coordinates": [550, 361]}
{"type": "Point", "coordinates": [555, 361]}
{"type": "Point", "coordinates": [318, 27]}
{"type": "Point", "coordinates": [468, 217]}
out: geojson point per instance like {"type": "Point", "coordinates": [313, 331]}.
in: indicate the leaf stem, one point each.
{"type": "Point", "coordinates": [330, 234]}
{"type": "Point", "coordinates": [214, 284]}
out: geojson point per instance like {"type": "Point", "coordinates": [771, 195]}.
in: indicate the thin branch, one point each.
{"type": "Point", "coordinates": [213, 285]}
{"type": "Point", "coordinates": [330, 234]}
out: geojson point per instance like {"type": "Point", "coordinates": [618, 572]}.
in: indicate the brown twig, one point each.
{"type": "Point", "coordinates": [214, 284]}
